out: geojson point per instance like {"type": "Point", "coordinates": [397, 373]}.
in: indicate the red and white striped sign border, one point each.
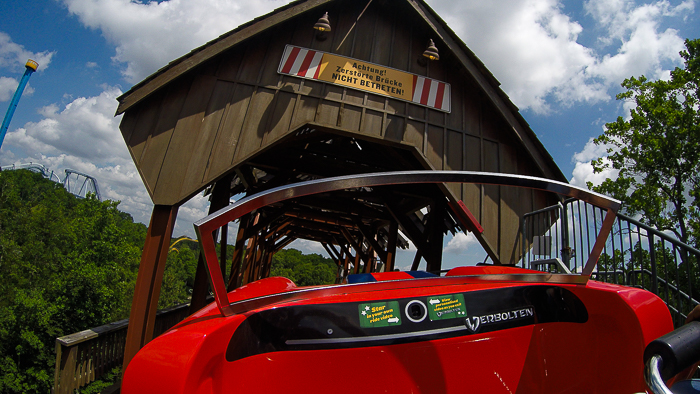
{"type": "Point", "coordinates": [301, 62]}
{"type": "Point", "coordinates": [431, 93]}
{"type": "Point", "coordinates": [305, 63]}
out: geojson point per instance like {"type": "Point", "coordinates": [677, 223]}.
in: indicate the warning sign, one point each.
{"type": "Point", "coordinates": [446, 307]}
{"type": "Point", "coordinates": [369, 77]}
{"type": "Point", "coordinates": [379, 314]}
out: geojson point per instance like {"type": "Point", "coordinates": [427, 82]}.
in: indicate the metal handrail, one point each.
{"type": "Point", "coordinates": [635, 254]}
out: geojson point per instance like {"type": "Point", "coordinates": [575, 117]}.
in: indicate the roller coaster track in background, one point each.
{"type": "Point", "coordinates": [75, 182]}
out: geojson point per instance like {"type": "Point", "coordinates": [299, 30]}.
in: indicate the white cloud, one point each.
{"type": "Point", "coordinates": [460, 243]}
{"type": "Point", "coordinates": [13, 56]}
{"type": "Point", "coordinates": [86, 128]}
{"type": "Point", "coordinates": [642, 48]}
{"type": "Point", "coordinates": [308, 247]}
{"type": "Point", "coordinates": [194, 209]}
{"type": "Point", "coordinates": [148, 35]}
{"type": "Point", "coordinates": [7, 88]}
{"type": "Point", "coordinates": [583, 169]}
{"type": "Point", "coordinates": [532, 46]}
{"type": "Point", "coordinates": [84, 136]}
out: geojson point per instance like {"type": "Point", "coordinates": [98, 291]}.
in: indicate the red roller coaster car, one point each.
{"type": "Point", "coordinates": [482, 329]}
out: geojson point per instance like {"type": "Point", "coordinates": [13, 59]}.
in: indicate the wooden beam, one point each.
{"type": "Point", "coordinates": [148, 282]}
{"type": "Point", "coordinates": [246, 176]}
{"type": "Point", "coordinates": [355, 245]}
{"type": "Point", "coordinates": [469, 222]}
{"type": "Point", "coordinates": [219, 199]}
{"type": "Point", "coordinates": [416, 260]}
{"type": "Point", "coordinates": [416, 236]}
{"type": "Point", "coordinates": [267, 218]}
{"type": "Point", "coordinates": [369, 265]}
{"type": "Point", "coordinates": [250, 254]}
{"type": "Point", "coordinates": [238, 249]}
{"type": "Point", "coordinates": [391, 246]}
{"type": "Point", "coordinates": [319, 218]}
{"type": "Point", "coordinates": [332, 252]}
{"type": "Point", "coordinates": [346, 265]}
{"type": "Point", "coordinates": [435, 237]}
{"type": "Point", "coordinates": [281, 244]}
{"type": "Point", "coordinates": [370, 237]}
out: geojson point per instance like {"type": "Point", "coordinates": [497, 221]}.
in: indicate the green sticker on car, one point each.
{"type": "Point", "coordinates": [379, 314]}
{"type": "Point", "coordinates": [448, 306]}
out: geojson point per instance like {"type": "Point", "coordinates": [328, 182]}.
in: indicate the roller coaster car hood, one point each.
{"type": "Point", "coordinates": [494, 329]}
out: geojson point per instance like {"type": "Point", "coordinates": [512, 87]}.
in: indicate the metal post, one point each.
{"type": "Point", "coordinates": [31, 66]}
{"type": "Point", "coordinates": [565, 247]}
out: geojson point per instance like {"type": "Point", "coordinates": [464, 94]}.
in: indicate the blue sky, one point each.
{"type": "Point", "coordinates": [560, 62]}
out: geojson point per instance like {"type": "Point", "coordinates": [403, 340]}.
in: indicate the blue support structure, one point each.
{"type": "Point", "coordinates": [31, 67]}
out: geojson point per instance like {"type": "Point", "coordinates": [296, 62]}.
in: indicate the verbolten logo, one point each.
{"type": "Point", "coordinates": [473, 323]}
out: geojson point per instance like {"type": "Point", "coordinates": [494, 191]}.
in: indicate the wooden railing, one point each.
{"type": "Point", "coordinates": [85, 356]}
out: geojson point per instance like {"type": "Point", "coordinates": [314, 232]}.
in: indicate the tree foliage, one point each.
{"type": "Point", "coordinates": [303, 270]}
{"type": "Point", "coordinates": [657, 150]}
{"type": "Point", "coordinates": [70, 264]}
{"type": "Point", "coordinates": [67, 264]}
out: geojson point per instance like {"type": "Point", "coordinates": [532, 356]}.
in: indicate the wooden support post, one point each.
{"type": "Point", "coordinates": [259, 252]}
{"type": "Point", "coordinates": [355, 245]}
{"type": "Point", "coordinates": [219, 199]}
{"type": "Point", "coordinates": [391, 246]}
{"type": "Point", "coordinates": [418, 238]}
{"type": "Point", "coordinates": [223, 246]}
{"type": "Point", "coordinates": [357, 262]}
{"type": "Point", "coordinates": [336, 257]}
{"type": "Point", "coordinates": [416, 260]}
{"type": "Point", "coordinates": [249, 260]}
{"type": "Point", "coordinates": [370, 236]}
{"type": "Point", "coordinates": [268, 259]}
{"type": "Point", "coordinates": [148, 282]}
{"type": "Point", "coordinates": [435, 237]}
{"type": "Point", "coordinates": [238, 252]}
{"type": "Point", "coordinates": [264, 254]}
{"type": "Point", "coordinates": [346, 266]}
{"type": "Point", "coordinates": [369, 265]}
{"type": "Point", "coordinates": [281, 244]}
{"type": "Point", "coordinates": [332, 252]}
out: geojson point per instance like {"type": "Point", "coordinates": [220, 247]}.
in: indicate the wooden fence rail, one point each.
{"type": "Point", "coordinates": [85, 356]}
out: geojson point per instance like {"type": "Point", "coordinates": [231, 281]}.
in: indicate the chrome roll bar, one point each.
{"type": "Point", "coordinates": [205, 227]}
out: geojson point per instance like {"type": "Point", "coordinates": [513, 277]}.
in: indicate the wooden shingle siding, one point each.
{"type": "Point", "coordinates": [185, 136]}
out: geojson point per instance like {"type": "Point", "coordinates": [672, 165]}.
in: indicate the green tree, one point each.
{"type": "Point", "coordinates": [657, 151]}
{"type": "Point", "coordinates": [178, 277]}
{"type": "Point", "coordinates": [67, 264]}
{"type": "Point", "coordinates": [303, 270]}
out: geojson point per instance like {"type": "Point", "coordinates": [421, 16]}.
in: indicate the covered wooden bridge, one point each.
{"type": "Point", "coordinates": [321, 88]}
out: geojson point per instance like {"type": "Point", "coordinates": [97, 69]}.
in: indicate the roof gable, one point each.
{"type": "Point", "coordinates": [229, 100]}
